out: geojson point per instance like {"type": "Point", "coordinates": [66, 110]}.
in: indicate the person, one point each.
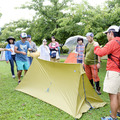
{"type": "Point", "coordinates": [10, 56]}
{"type": "Point", "coordinates": [54, 50]}
{"type": "Point", "coordinates": [33, 47]}
{"type": "Point", "coordinates": [79, 50]}
{"type": "Point", "coordinates": [21, 48]}
{"type": "Point", "coordinates": [44, 51]}
{"type": "Point", "coordinates": [91, 62]}
{"type": "Point", "coordinates": [112, 80]}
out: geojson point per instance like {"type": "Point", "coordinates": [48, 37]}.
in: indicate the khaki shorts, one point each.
{"type": "Point", "coordinates": [112, 82]}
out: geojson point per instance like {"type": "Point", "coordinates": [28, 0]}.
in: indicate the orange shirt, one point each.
{"type": "Point", "coordinates": [112, 47]}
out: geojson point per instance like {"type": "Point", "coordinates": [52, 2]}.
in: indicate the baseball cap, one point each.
{"type": "Point", "coordinates": [113, 28]}
{"type": "Point", "coordinates": [44, 40]}
{"type": "Point", "coordinates": [90, 34]}
{"type": "Point", "coordinates": [23, 35]}
{"type": "Point", "coordinates": [28, 36]}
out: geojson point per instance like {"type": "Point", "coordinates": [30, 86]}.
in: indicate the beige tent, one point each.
{"type": "Point", "coordinates": [62, 85]}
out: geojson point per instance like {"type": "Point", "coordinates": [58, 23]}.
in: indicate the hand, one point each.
{"type": "Point", "coordinates": [11, 50]}
{"type": "Point", "coordinates": [24, 53]}
{"type": "Point", "coordinates": [95, 44]}
{"type": "Point", "coordinates": [56, 49]}
{"type": "Point", "coordinates": [29, 49]}
{"type": "Point", "coordinates": [7, 61]}
{"type": "Point", "coordinates": [98, 65]}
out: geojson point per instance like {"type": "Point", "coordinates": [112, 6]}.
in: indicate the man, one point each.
{"type": "Point", "coordinates": [112, 79]}
{"type": "Point", "coordinates": [91, 62]}
{"type": "Point", "coordinates": [79, 50]}
{"type": "Point", "coordinates": [21, 48]}
{"type": "Point", "coordinates": [33, 47]}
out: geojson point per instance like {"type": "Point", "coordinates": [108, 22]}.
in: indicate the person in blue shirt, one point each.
{"type": "Point", "coordinates": [10, 56]}
{"type": "Point", "coordinates": [21, 48]}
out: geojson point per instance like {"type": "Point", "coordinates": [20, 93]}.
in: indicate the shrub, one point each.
{"type": "Point", "coordinates": [65, 49]}
{"type": "Point", "coordinates": [3, 44]}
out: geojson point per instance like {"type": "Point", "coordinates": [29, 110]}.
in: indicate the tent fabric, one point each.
{"type": "Point", "coordinates": [65, 86]}
{"type": "Point", "coordinates": [72, 58]}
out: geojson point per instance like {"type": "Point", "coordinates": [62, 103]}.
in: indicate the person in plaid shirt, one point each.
{"type": "Point", "coordinates": [80, 49]}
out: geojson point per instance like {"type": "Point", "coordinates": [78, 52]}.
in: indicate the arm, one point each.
{"type": "Point", "coordinates": [19, 52]}
{"type": "Point", "coordinates": [107, 49]}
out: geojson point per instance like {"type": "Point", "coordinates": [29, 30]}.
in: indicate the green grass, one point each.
{"type": "Point", "coordinates": [16, 105]}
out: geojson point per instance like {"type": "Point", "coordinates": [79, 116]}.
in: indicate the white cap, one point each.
{"type": "Point", "coordinates": [23, 35]}
{"type": "Point", "coordinates": [112, 28]}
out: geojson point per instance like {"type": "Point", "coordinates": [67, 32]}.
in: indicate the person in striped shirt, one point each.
{"type": "Point", "coordinates": [80, 49]}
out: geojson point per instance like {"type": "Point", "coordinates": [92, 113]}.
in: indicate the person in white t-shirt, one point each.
{"type": "Point", "coordinates": [10, 56]}
{"type": "Point", "coordinates": [44, 51]}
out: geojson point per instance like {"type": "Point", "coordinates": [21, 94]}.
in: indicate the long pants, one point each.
{"type": "Point", "coordinates": [12, 60]}
{"type": "Point", "coordinates": [92, 72]}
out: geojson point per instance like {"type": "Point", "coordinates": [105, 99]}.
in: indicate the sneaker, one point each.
{"type": "Point", "coordinates": [13, 76]}
{"type": "Point", "coordinates": [108, 118]}
{"type": "Point", "coordinates": [98, 91]}
{"type": "Point", "coordinates": [118, 114]}
{"type": "Point", "coordinates": [19, 81]}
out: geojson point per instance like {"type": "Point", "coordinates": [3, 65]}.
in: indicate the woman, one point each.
{"type": "Point", "coordinates": [10, 56]}
{"type": "Point", "coordinates": [54, 50]}
{"type": "Point", "coordinates": [44, 51]}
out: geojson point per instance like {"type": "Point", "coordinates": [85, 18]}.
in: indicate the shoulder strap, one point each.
{"type": "Point", "coordinates": [86, 47]}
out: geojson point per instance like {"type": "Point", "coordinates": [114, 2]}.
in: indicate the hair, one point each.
{"type": "Point", "coordinates": [53, 37]}
{"type": "Point", "coordinates": [80, 39]}
{"type": "Point", "coordinates": [9, 41]}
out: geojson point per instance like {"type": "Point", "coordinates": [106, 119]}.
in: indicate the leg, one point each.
{"type": "Point", "coordinates": [89, 73]}
{"type": "Point", "coordinates": [118, 102]}
{"type": "Point", "coordinates": [12, 66]}
{"type": "Point", "coordinates": [19, 75]}
{"type": "Point", "coordinates": [25, 71]}
{"type": "Point", "coordinates": [114, 104]}
{"type": "Point", "coordinates": [96, 78]}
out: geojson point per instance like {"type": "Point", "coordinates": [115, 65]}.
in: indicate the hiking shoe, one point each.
{"type": "Point", "coordinates": [108, 118]}
{"type": "Point", "coordinates": [13, 76]}
{"type": "Point", "coordinates": [98, 91]}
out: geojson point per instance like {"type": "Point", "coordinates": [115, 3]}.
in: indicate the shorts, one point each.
{"type": "Point", "coordinates": [22, 65]}
{"type": "Point", "coordinates": [112, 82]}
{"type": "Point", "coordinates": [79, 61]}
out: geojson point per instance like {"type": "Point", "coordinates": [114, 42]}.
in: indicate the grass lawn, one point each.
{"type": "Point", "coordinates": [15, 105]}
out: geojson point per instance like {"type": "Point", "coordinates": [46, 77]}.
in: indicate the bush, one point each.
{"type": "Point", "coordinates": [3, 44]}
{"type": "Point", "coordinates": [65, 49]}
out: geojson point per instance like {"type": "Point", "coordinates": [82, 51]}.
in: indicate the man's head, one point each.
{"type": "Point", "coordinates": [79, 40]}
{"type": "Point", "coordinates": [112, 31]}
{"type": "Point", "coordinates": [29, 38]}
{"type": "Point", "coordinates": [23, 37]}
{"type": "Point", "coordinates": [44, 42]}
{"type": "Point", "coordinates": [90, 36]}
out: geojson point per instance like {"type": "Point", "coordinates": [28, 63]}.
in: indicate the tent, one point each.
{"type": "Point", "coordinates": [72, 58]}
{"type": "Point", "coordinates": [65, 86]}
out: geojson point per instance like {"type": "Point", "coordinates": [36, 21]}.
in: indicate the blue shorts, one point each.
{"type": "Point", "coordinates": [22, 65]}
